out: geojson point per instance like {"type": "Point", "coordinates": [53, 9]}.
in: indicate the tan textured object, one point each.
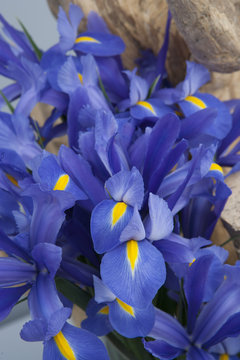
{"type": "Point", "coordinates": [212, 31]}
{"type": "Point", "coordinates": [219, 236]}
{"type": "Point", "coordinates": [231, 211]}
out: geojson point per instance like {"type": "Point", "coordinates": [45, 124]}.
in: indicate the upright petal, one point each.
{"type": "Point", "coordinates": [160, 222]}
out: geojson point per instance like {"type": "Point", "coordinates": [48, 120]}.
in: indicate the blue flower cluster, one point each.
{"type": "Point", "coordinates": [124, 214]}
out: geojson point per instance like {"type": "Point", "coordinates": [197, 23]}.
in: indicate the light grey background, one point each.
{"type": "Point", "coordinates": [40, 23]}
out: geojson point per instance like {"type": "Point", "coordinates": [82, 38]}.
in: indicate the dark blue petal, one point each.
{"type": "Point", "coordinates": [162, 350]}
{"type": "Point", "coordinates": [168, 329]}
{"type": "Point", "coordinates": [48, 213]}
{"type": "Point", "coordinates": [43, 299]}
{"type": "Point", "coordinates": [162, 138]}
{"type": "Point", "coordinates": [81, 173]}
{"type": "Point", "coordinates": [194, 286]}
{"type": "Point", "coordinates": [217, 312]}
{"type": "Point", "coordinates": [9, 298]}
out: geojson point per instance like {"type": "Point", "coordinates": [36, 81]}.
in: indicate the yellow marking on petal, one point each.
{"type": "Point", "coordinates": [178, 113]}
{"type": "Point", "coordinates": [132, 253]}
{"type": "Point", "coordinates": [196, 101]}
{"type": "Point", "coordinates": [118, 211]}
{"type": "Point", "coordinates": [146, 105]}
{"type": "Point", "coordinates": [12, 179]}
{"type": "Point", "coordinates": [126, 307]}
{"type": "Point", "coordinates": [190, 264]}
{"type": "Point", "coordinates": [224, 357]}
{"type": "Point", "coordinates": [64, 347]}
{"type": "Point", "coordinates": [225, 277]}
{"type": "Point", "coordinates": [62, 182]}
{"type": "Point", "coordinates": [81, 39]}
{"type": "Point", "coordinates": [216, 167]}
{"type": "Point", "coordinates": [80, 78]}
{"type": "Point", "coordinates": [104, 310]}
{"type": "Point", "coordinates": [16, 285]}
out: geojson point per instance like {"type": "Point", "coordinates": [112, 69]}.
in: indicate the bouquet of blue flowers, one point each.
{"type": "Point", "coordinates": [119, 221]}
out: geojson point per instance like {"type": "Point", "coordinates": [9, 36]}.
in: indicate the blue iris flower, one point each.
{"type": "Point", "coordinates": [204, 331]}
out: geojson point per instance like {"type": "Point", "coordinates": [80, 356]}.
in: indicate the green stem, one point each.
{"type": "Point", "coordinates": [236, 237]}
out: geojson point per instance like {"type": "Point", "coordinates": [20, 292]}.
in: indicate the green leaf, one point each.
{"type": "Point", "coordinates": [103, 89]}
{"type": "Point", "coordinates": [36, 49]}
{"type": "Point", "coordinates": [73, 292]}
{"type": "Point", "coordinates": [153, 86]}
{"type": "Point", "coordinates": [11, 108]}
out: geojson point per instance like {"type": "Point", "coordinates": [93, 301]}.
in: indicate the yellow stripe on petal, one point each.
{"type": "Point", "coordinates": [90, 39]}
{"type": "Point", "coordinates": [80, 78]}
{"type": "Point", "coordinates": [104, 310]}
{"type": "Point", "coordinates": [147, 106]}
{"type": "Point", "coordinates": [118, 211]}
{"type": "Point", "coordinates": [62, 182]}
{"type": "Point", "coordinates": [190, 264]}
{"type": "Point", "coordinates": [216, 167]}
{"type": "Point", "coordinates": [224, 357]}
{"type": "Point", "coordinates": [132, 253]}
{"type": "Point", "coordinates": [126, 307]}
{"type": "Point", "coordinates": [12, 179]}
{"type": "Point", "coordinates": [196, 101]}
{"type": "Point", "coordinates": [64, 347]}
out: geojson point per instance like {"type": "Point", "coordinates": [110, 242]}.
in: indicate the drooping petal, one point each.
{"type": "Point", "coordinates": [162, 350]}
{"type": "Point", "coordinates": [150, 108]}
{"type": "Point", "coordinates": [130, 321]}
{"type": "Point", "coordinates": [134, 271]}
{"type": "Point", "coordinates": [98, 319]}
{"type": "Point", "coordinates": [99, 44]}
{"type": "Point", "coordinates": [160, 221]}
{"type": "Point", "coordinates": [221, 124]}
{"type": "Point", "coordinates": [55, 178]}
{"type": "Point", "coordinates": [108, 220]}
{"type": "Point", "coordinates": [74, 344]}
